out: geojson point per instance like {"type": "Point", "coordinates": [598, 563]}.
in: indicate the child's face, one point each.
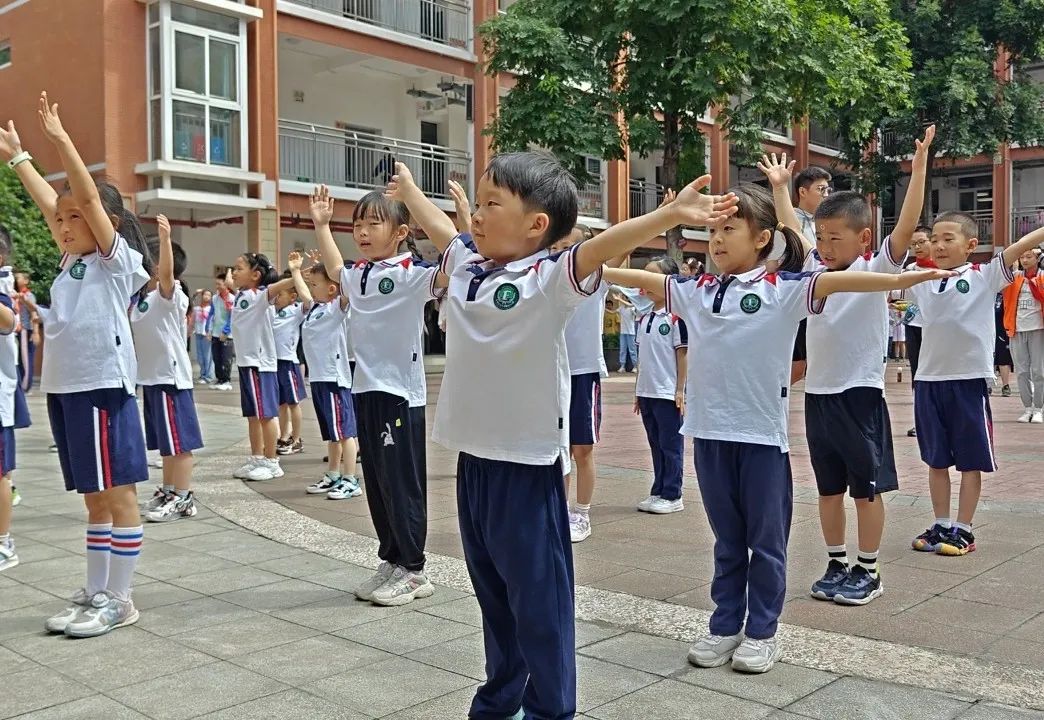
{"type": "Point", "coordinates": [838, 244]}
{"type": "Point", "coordinates": [502, 227]}
{"type": "Point", "coordinates": [284, 298]}
{"type": "Point", "coordinates": [950, 248]}
{"type": "Point", "coordinates": [735, 244]}
{"type": "Point", "coordinates": [657, 297]}
{"type": "Point", "coordinates": [219, 285]}
{"type": "Point", "coordinates": [378, 239]}
{"type": "Point", "coordinates": [207, 297]}
{"type": "Point", "coordinates": [321, 288]}
{"type": "Point", "coordinates": [243, 275]}
{"type": "Point", "coordinates": [1028, 260]}
{"type": "Point", "coordinates": [74, 233]}
{"type": "Point", "coordinates": [921, 246]}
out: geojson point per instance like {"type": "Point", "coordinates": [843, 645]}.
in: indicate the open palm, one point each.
{"type": "Point", "coordinates": [693, 207]}
{"type": "Point", "coordinates": [10, 144]}
{"type": "Point", "coordinates": [321, 205]}
{"type": "Point", "coordinates": [778, 171]}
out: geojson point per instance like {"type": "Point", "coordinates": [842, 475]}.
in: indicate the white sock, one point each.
{"type": "Point", "coordinates": [126, 547]}
{"type": "Point", "coordinates": [944, 522]}
{"type": "Point", "coordinates": [868, 561]}
{"type": "Point", "coordinates": [168, 488]}
{"type": "Point", "coordinates": [98, 546]}
{"type": "Point", "coordinates": [966, 527]}
{"type": "Point", "coordinates": [584, 510]}
{"type": "Point", "coordinates": [839, 553]}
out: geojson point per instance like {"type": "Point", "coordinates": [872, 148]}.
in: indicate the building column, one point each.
{"type": "Point", "coordinates": [262, 228]}
{"type": "Point", "coordinates": [1002, 191]}
{"type": "Point", "coordinates": [801, 134]}
{"type": "Point", "coordinates": [719, 156]}
{"type": "Point", "coordinates": [486, 94]}
{"type": "Point", "coordinates": [263, 103]}
{"type": "Point", "coordinates": [618, 188]}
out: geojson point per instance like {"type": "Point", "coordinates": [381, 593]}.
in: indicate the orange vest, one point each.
{"type": "Point", "coordinates": [1011, 299]}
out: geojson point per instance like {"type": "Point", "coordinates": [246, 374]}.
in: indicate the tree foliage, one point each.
{"type": "Point", "coordinates": [34, 249]}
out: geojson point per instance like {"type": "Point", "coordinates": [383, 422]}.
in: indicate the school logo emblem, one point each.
{"type": "Point", "coordinates": [665, 329]}
{"type": "Point", "coordinates": [963, 286]}
{"type": "Point", "coordinates": [143, 306]}
{"type": "Point", "coordinates": [506, 297]}
{"type": "Point", "coordinates": [78, 270]}
{"type": "Point", "coordinates": [318, 315]}
{"type": "Point", "coordinates": [750, 303]}
{"type": "Point", "coordinates": [386, 285]}
{"type": "Point", "coordinates": [244, 304]}
{"type": "Point", "coordinates": [282, 313]}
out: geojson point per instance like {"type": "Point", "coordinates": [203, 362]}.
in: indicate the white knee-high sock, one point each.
{"type": "Point", "coordinates": [98, 539]}
{"type": "Point", "coordinates": [126, 547]}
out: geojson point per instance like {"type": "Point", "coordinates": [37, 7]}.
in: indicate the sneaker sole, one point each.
{"type": "Point", "coordinates": [343, 497]}
{"type": "Point", "coordinates": [424, 591]}
{"type": "Point", "coordinates": [925, 547]}
{"type": "Point", "coordinates": [7, 565]}
{"type": "Point", "coordinates": [821, 595]}
{"type": "Point", "coordinates": [842, 600]}
{"type": "Point", "coordinates": [742, 667]}
{"type": "Point", "coordinates": [651, 511]}
{"type": "Point", "coordinates": [131, 619]}
{"type": "Point", "coordinates": [952, 551]}
{"type": "Point", "coordinates": [717, 662]}
{"type": "Point", "coordinates": [317, 491]}
{"type": "Point", "coordinates": [579, 539]}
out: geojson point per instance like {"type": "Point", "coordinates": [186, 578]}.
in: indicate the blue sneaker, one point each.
{"type": "Point", "coordinates": [860, 588]}
{"type": "Point", "coordinates": [930, 539]}
{"type": "Point", "coordinates": [826, 587]}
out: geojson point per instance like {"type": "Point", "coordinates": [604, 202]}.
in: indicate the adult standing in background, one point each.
{"type": "Point", "coordinates": [221, 330]}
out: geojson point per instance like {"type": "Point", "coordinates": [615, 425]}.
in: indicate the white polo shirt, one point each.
{"type": "Point", "coordinates": [348, 334]}
{"type": "Point", "coordinates": [627, 319]}
{"type": "Point", "coordinates": [743, 329]}
{"type": "Point", "coordinates": [848, 342]}
{"type": "Point", "coordinates": [583, 335]}
{"type": "Point", "coordinates": [387, 299]}
{"type": "Point", "coordinates": [8, 368]}
{"type": "Point", "coordinates": [87, 329]}
{"type": "Point", "coordinates": [252, 330]}
{"type": "Point", "coordinates": [286, 328]}
{"type": "Point", "coordinates": [959, 329]}
{"type": "Point", "coordinates": [913, 310]}
{"type": "Point", "coordinates": [159, 337]}
{"type": "Point", "coordinates": [505, 394]}
{"type": "Point", "coordinates": [324, 337]}
{"type": "Point", "coordinates": [659, 336]}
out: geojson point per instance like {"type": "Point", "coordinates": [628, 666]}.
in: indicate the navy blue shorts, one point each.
{"type": "Point", "coordinates": [334, 410]}
{"type": "Point", "coordinates": [291, 383]}
{"type": "Point", "coordinates": [21, 410]}
{"type": "Point", "coordinates": [955, 424]}
{"type": "Point", "coordinates": [171, 425]}
{"type": "Point", "coordinates": [7, 450]}
{"type": "Point", "coordinates": [99, 437]}
{"type": "Point", "coordinates": [258, 393]}
{"type": "Point", "coordinates": [850, 442]}
{"type": "Point", "coordinates": [585, 409]}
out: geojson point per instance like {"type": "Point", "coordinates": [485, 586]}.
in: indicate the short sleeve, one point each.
{"type": "Point", "coordinates": [347, 275]}
{"type": "Point", "coordinates": [998, 275]}
{"type": "Point", "coordinates": [420, 278]}
{"type": "Point", "coordinates": [121, 259]}
{"type": "Point", "coordinates": [462, 249]}
{"type": "Point", "coordinates": [680, 333]}
{"type": "Point", "coordinates": [797, 294]}
{"type": "Point", "coordinates": [681, 293]}
{"type": "Point", "coordinates": [556, 276]}
{"type": "Point", "coordinates": [884, 261]}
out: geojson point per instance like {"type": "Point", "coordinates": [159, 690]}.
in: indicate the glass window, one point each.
{"type": "Point", "coordinates": [5, 53]}
{"type": "Point", "coordinates": [224, 137]}
{"type": "Point", "coordinates": [190, 63]}
{"type": "Point", "coordinates": [223, 69]}
{"type": "Point", "coordinates": [190, 131]}
{"type": "Point", "coordinates": [204, 18]}
{"type": "Point", "coordinates": [156, 119]}
{"type": "Point", "coordinates": [155, 69]}
{"type": "Point", "coordinates": [154, 13]}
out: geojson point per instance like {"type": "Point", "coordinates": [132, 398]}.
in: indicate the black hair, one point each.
{"type": "Point", "coordinates": [5, 243]}
{"type": "Point", "coordinates": [542, 184]}
{"type": "Point", "coordinates": [969, 228]}
{"type": "Point", "coordinates": [180, 258]}
{"type": "Point", "coordinates": [755, 206]}
{"type": "Point", "coordinates": [847, 205]}
{"type": "Point", "coordinates": [382, 207]}
{"type": "Point", "coordinates": [923, 229]}
{"type": "Point", "coordinates": [809, 175]}
{"type": "Point", "coordinates": [126, 223]}
{"type": "Point", "coordinates": [261, 263]}
{"type": "Point", "coordinates": [221, 274]}
{"type": "Point", "coordinates": [666, 264]}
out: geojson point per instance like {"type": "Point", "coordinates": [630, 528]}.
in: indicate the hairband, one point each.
{"type": "Point", "coordinates": [779, 226]}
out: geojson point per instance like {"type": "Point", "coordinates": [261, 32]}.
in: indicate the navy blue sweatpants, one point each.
{"type": "Point", "coordinates": [748, 495]}
{"type": "Point", "coordinates": [662, 422]}
{"type": "Point", "coordinates": [514, 526]}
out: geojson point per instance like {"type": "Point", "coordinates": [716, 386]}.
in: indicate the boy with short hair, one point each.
{"type": "Point", "coordinates": [951, 401]}
{"type": "Point", "coordinates": [288, 316]}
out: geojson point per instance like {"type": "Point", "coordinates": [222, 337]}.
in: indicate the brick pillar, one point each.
{"type": "Point", "coordinates": [263, 97]}
{"type": "Point", "coordinates": [618, 206]}
{"type": "Point", "coordinates": [486, 92]}
{"type": "Point", "coordinates": [801, 134]}
{"type": "Point", "coordinates": [1002, 191]}
{"type": "Point", "coordinates": [262, 228]}
{"type": "Point", "coordinates": [719, 156]}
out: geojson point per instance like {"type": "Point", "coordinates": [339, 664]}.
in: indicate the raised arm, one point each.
{"type": "Point", "coordinates": [829, 283]}
{"type": "Point", "coordinates": [84, 191]}
{"type": "Point", "coordinates": [640, 279]}
{"type": "Point", "coordinates": [780, 175]}
{"type": "Point", "coordinates": [462, 221]}
{"type": "Point", "coordinates": [294, 263]}
{"type": "Point", "coordinates": [910, 214]}
{"type": "Point", "coordinates": [321, 205]}
{"type": "Point", "coordinates": [39, 190]}
{"type": "Point", "coordinates": [166, 258]}
{"type": "Point", "coordinates": [279, 286]}
{"type": "Point", "coordinates": [1014, 251]}
{"type": "Point", "coordinates": [436, 224]}
{"type": "Point", "coordinates": [691, 207]}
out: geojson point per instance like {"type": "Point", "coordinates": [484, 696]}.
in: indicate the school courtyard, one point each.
{"type": "Point", "coordinates": [246, 610]}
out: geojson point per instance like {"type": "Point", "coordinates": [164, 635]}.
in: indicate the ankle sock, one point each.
{"type": "Point", "coordinates": [868, 561]}
{"type": "Point", "coordinates": [943, 522]}
{"type": "Point", "coordinates": [168, 489]}
{"type": "Point", "coordinates": [839, 553]}
{"type": "Point", "coordinates": [182, 493]}
{"type": "Point", "coordinates": [963, 526]}
{"type": "Point", "coordinates": [584, 510]}
{"type": "Point", "coordinates": [126, 547]}
{"type": "Point", "coordinates": [99, 538]}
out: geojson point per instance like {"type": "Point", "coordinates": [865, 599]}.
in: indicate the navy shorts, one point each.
{"type": "Point", "coordinates": [850, 442]}
{"type": "Point", "coordinates": [334, 410]}
{"type": "Point", "coordinates": [258, 393]}
{"type": "Point", "coordinates": [171, 425]}
{"type": "Point", "coordinates": [7, 451]}
{"type": "Point", "coordinates": [21, 410]}
{"type": "Point", "coordinates": [955, 424]}
{"type": "Point", "coordinates": [291, 383]}
{"type": "Point", "coordinates": [585, 409]}
{"type": "Point", "coordinates": [99, 437]}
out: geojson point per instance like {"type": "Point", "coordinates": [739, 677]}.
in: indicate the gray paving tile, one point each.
{"type": "Point", "coordinates": [19, 596]}
{"type": "Point", "coordinates": [300, 566]}
{"type": "Point", "coordinates": [1032, 631]}
{"type": "Point", "coordinates": [451, 706]}
{"type": "Point", "coordinates": [304, 661]}
{"type": "Point", "coordinates": [656, 585]}
{"type": "Point", "coordinates": [242, 636]}
{"type": "Point", "coordinates": [670, 700]}
{"type": "Point", "coordinates": [992, 619]}
{"type": "Point", "coordinates": [37, 688]}
{"type": "Point", "coordinates": [14, 662]}
{"type": "Point", "coordinates": [407, 632]}
{"type": "Point", "coordinates": [463, 610]}
{"type": "Point", "coordinates": [48, 649]}
{"type": "Point", "coordinates": [237, 545]}
{"type": "Point", "coordinates": [1012, 651]}
{"type": "Point", "coordinates": [464, 656]}
{"type": "Point", "coordinates": [648, 653]}
{"type": "Point", "coordinates": [157, 594]}
{"type": "Point", "coordinates": [141, 660]}
{"type": "Point", "coordinates": [226, 580]}
{"type": "Point", "coordinates": [588, 633]}
{"type": "Point", "coordinates": [30, 551]}
{"type": "Point", "coordinates": [990, 711]}
{"type": "Point", "coordinates": [210, 687]}
{"type": "Point", "coordinates": [858, 699]}
{"type": "Point", "coordinates": [91, 708]}
{"type": "Point", "coordinates": [282, 595]}
{"type": "Point", "coordinates": [170, 565]}
{"type": "Point", "coordinates": [63, 566]}
{"type": "Point", "coordinates": [598, 682]}
{"type": "Point", "coordinates": [179, 529]}
{"type": "Point", "coordinates": [779, 688]}
{"type": "Point", "coordinates": [336, 613]}
{"type": "Point", "coordinates": [281, 706]}
{"type": "Point", "coordinates": [191, 614]}
{"type": "Point", "coordinates": [23, 621]}
{"type": "Point", "coordinates": [347, 577]}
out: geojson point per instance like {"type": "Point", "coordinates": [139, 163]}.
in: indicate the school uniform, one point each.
{"type": "Point", "coordinates": [165, 373]}
{"type": "Point", "coordinates": [286, 328]}
{"type": "Point", "coordinates": [89, 369]}
{"type": "Point", "coordinates": [912, 319]}
{"type": "Point", "coordinates": [951, 402]}
{"type": "Point", "coordinates": [745, 324]}
{"type": "Point", "coordinates": [586, 359]}
{"type": "Point", "coordinates": [659, 336]}
{"type": "Point", "coordinates": [324, 338]}
{"type": "Point", "coordinates": [846, 417]}
{"type": "Point", "coordinates": [255, 353]}
{"type": "Point", "coordinates": [13, 410]}
{"type": "Point", "coordinates": [222, 349]}
{"type": "Point", "coordinates": [387, 298]}
{"type": "Point", "coordinates": [504, 406]}
{"type": "Point", "coordinates": [26, 346]}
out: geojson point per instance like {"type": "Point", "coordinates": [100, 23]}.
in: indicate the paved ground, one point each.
{"type": "Point", "coordinates": [242, 624]}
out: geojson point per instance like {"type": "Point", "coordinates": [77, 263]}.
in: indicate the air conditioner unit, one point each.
{"type": "Point", "coordinates": [427, 107]}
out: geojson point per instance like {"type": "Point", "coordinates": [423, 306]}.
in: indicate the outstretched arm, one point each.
{"type": "Point", "coordinates": [829, 283]}
{"type": "Point", "coordinates": [279, 286]}
{"type": "Point", "coordinates": [641, 279]}
{"type": "Point", "coordinates": [39, 190]}
{"type": "Point", "coordinates": [321, 205]}
{"type": "Point", "coordinates": [435, 223]}
{"type": "Point", "coordinates": [462, 205]}
{"type": "Point", "coordinates": [914, 200]}
{"type": "Point", "coordinates": [166, 258]}
{"type": "Point", "coordinates": [1014, 251]}
{"type": "Point", "coordinates": [780, 174]}
{"type": "Point", "coordinates": [294, 263]}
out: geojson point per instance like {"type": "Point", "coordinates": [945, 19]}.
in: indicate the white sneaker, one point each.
{"type": "Point", "coordinates": [756, 656]}
{"type": "Point", "coordinates": [57, 623]}
{"type": "Point", "coordinates": [105, 613]}
{"type": "Point", "coordinates": [174, 506]}
{"type": "Point", "coordinates": [1026, 416]}
{"type": "Point", "coordinates": [644, 505]}
{"type": "Point", "coordinates": [403, 587]}
{"type": "Point", "coordinates": [266, 469]}
{"type": "Point", "coordinates": [384, 571]}
{"type": "Point", "coordinates": [714, 650]}
{"type": "Point", "coordinates": [8, 556]}
{"type": "Point", "coordinates": [1038, 417]}
{"type": "Point", "coordinates": [223, 386]}
{"type": "Point", "coordinates": [346, 487]}
{"type": "Point", "coordinates": [579, 527]}
{"type": "Point", "coordinates": [156, 501]}
{"type": "Point", "coordinates": [156, 462]}
{"type": "Point", "coordinates": [245, 468]}
{"type": "Point", "coordinates": [661, 506]}
{"type": "Point", "coordinates": [327, 483]}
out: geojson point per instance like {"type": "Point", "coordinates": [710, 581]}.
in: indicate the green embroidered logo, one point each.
{"type": "Point", "coordinates": [244, 304]}
{"type": "Point", "coordinates": [386, 285]}
{"type": "Point", "coordinates": [750, 303]}
{"type": "Point", "coordinates": [963, 286]}
{"type": "Point", "coordinates": [78, 270]}
{"type": "Point", "coordinates": [282, 313]}
{"type": "Point", "coordinates": [506, 297]}
{"type": "Point", "coordinates": [143, 306]}
{"type": "Point", "coordinates": [665, 329]}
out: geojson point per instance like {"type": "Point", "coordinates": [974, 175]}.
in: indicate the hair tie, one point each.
{"type": "Point", "coordinates": [779, 227]}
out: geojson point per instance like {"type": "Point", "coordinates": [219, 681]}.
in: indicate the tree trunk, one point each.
{"type": "Point", "coordinates": [669, 176]}
{"type": "Point", "coordinates": [926, 206]}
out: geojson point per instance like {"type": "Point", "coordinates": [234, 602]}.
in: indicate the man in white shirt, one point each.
{"type": "Point", "coordinates": [628, 346]}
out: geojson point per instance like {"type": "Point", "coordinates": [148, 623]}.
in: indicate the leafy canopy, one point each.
{"type": "Point", "coordinates": [34, 250]}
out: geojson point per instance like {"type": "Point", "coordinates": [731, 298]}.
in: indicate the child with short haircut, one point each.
{"type": "Point", "coordinates": [387, 293]}
{"type": "Point", "coordinates": [165, 377]}
{"type": "Point", "coordinates": [89, 372]}
{"type": "Point", "coordinates": [324, 338]}
{"type": "Point", "coordinates": [951, 402]}
{"type": "Point", "coordinates": [219, 329]}
{"type": "Point", "coordinates": [922, 257]}
{"type": "Point", "coordinates": [10, 395]}
{"type": "Point", "coordinates": [286, 326]}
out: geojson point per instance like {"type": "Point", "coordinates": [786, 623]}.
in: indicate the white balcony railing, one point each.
{"type": "Point", "coordinates": [344, 158]}
{"type": "Point", "coordinates": [447, 22]}
{"type": "Point", "coordinates": [1026, 220]}
{"type": "Point", "coordinates": [592, 199]}
{"type": "Point", "coordinates": [983, 218]}
{"type": "Point", "coordinates": [645, 196]}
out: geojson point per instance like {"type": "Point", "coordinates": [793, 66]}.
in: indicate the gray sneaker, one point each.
{"type": "Point", "coordinates": [174, 506]}
{"type": "Point", "coordinates": [756, 656]}
{"type": "Point", "coordinates": [8, 556]}
{"type": "Point", "coordinates": [57, 623]}
{"type": "Point", "coordinates": [714, 650]}
{"type": "Point", "coordinates": [384, 571]}
{"type": "Point", "coordinates": [402, 588]}
{"type": "Point", "coordinates": [105, 613]}
{"type": "Point", "coordinates": [156, 501]}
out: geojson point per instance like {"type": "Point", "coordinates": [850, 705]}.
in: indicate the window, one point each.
{"type": "Point", "coordinates": [5, 53]}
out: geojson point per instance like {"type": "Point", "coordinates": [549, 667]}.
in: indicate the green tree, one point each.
{"type": "Point", "coordinates": [34, 249]}
{"type": "Point", "coordinates": [659, 64]}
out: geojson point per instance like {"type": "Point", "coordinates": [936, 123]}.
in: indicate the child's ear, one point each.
{"type": "Point", "coordinates": [115, 220]}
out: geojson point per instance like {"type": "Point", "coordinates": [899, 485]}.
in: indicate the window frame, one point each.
{"type": "Point", "coordinates": [6, 45]}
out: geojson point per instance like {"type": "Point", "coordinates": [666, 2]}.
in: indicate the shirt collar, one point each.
{"type": "Point", "coordinates": [528, 262]}
{"type": "Point", "coordinates": [749, 276]}
{"type": "Point", "coordinates": [392, 261]}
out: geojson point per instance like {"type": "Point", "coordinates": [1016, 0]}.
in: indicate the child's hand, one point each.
{"type": "Point", "coordinates": [314, 255]}
{"type": "Point", "coordinates": [668, 197]}
{"type": "Point", "coordinates": [10, 144]}
{"type": "Point", "coordinates": [164, 228]}
{"type": "Point", "coordinates": [462, 206]}
{"type": "Point", "coordinates": [692, 207]}
{"type": "Point", "coordinates": [637, 407]}
{"type": "Point", "coordinates": [401, 183]}
{"type": "Point", "coordinates": [921, 147]}
{"type": "Point", "coordinates": [679, 401]}
{"type": "Point", "coordinates": [50, 123]}
{"type": "Point", "coordinates": [321, 205]}
{"type": "Point", "coordinates": [294, 260]}
{"type": "Point", "coordinates": [779, 172]}
{"type": "Point", "coordinates": [915, 277]}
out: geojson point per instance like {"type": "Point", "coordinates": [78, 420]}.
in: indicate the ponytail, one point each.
{"type": "Point", "coordinates": [793, 259]}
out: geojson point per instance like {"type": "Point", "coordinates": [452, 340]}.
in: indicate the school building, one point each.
{"type": "Point", "coordinates": [223, 114]}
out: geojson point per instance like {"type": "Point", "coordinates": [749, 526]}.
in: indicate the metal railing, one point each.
{"type": "Point", "coordinates": [1026, 220]}
{"type": "Point", "coordinates": [645, 196]}
{"type": "Point", "coordinates": [345, 158]}
{"type": "Point", "coordinates": [824, 137]}
{"type": "Point", "coordinates": [592, 202]}
{"type": "Point", "coordinates": [983, 218]}
{"type": "Point", "coordinates": [443, 21]}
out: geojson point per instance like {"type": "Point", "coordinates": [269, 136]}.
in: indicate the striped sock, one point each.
{"type": "Point", "coordinates": [868, 561]}
{"type": "Point", "coordinates": [98, 539]}
{"type": "Point", "coordinates": [839, 553]}
{"type": "Point", "coordinates": [126, 546]}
